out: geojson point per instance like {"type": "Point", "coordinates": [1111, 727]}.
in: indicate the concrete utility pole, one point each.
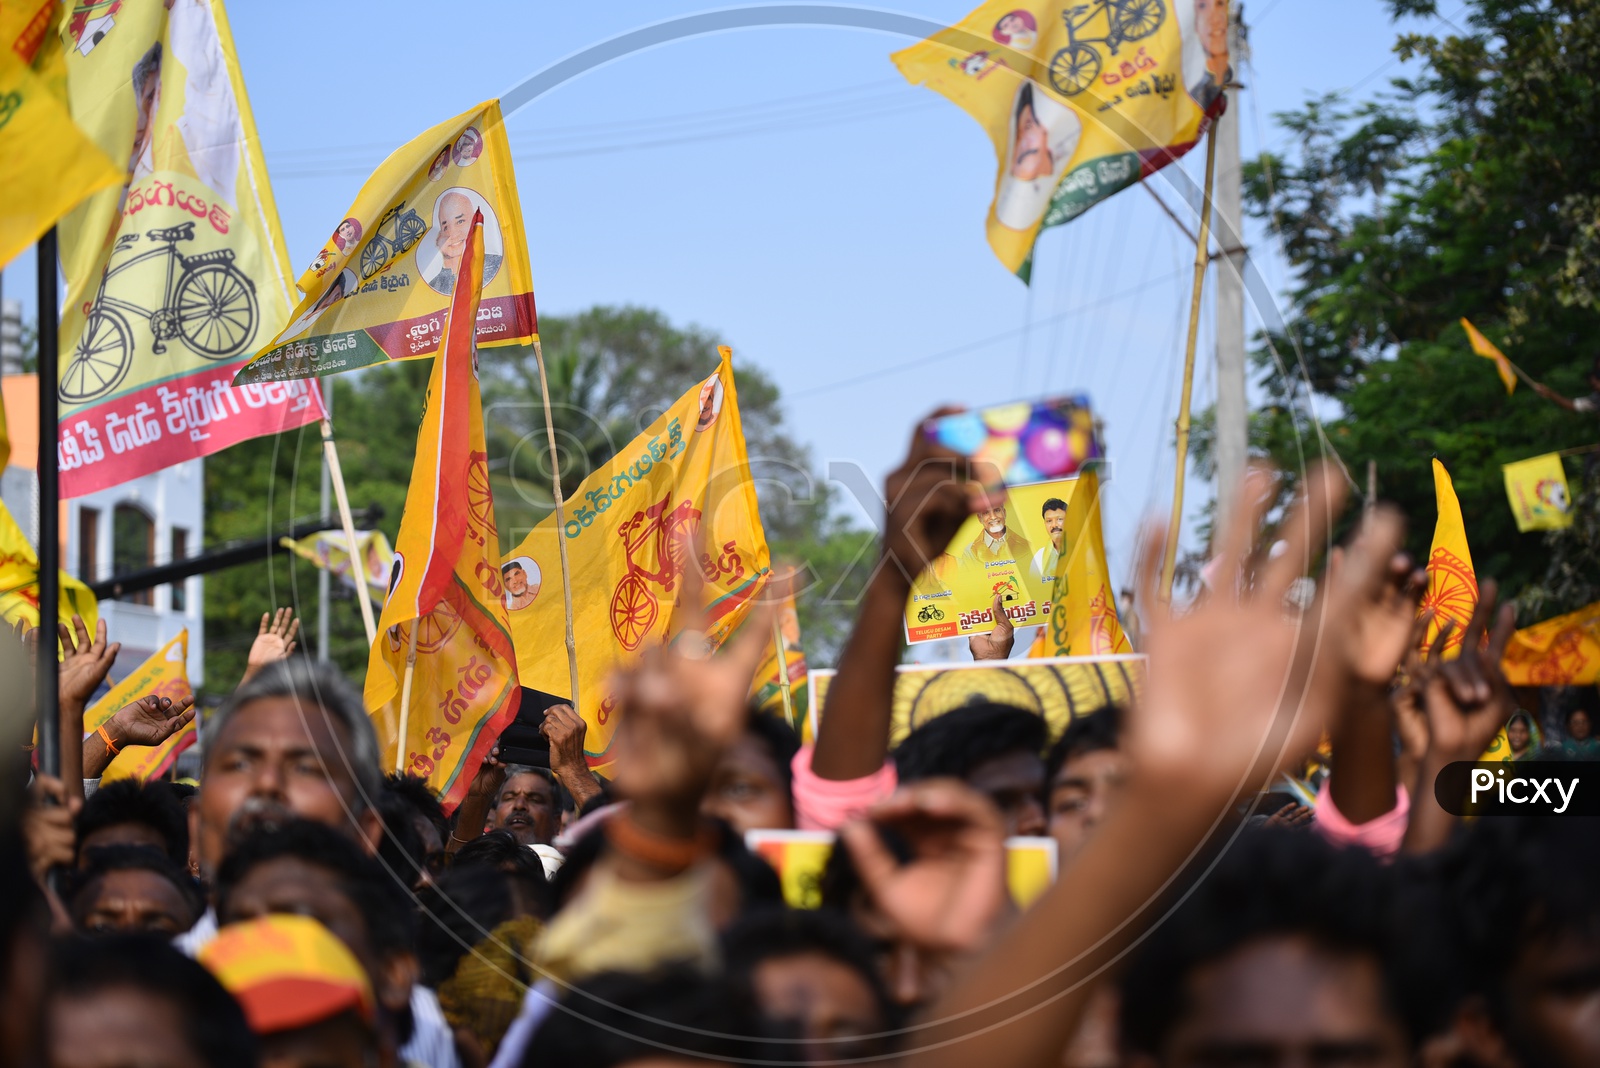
{"type": "Point", "coordinates": [1233, 413]}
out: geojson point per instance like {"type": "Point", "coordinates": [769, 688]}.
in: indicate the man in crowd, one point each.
{"type": "Point", "coordinates": [527, 806]}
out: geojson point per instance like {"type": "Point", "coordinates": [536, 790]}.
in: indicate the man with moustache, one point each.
{"type": "Point", "coordinates": [996, 552]}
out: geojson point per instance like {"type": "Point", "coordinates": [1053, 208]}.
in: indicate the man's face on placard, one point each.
{"type": "Point", "coordinates": [455, 220]}
{"type": "Point", "coordinates": [1055, 521]}
{"type": "Point", "coordinates": [993, 519]}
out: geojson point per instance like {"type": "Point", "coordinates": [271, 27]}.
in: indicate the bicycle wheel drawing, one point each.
{"type": "Point", "coordinates": [101, 358]}
{"type": "Point", "coordinates": [633, 610]}
{"type": "Point", "coordinates": [374, 254]}
{"type": "Point", "coordinates": [677, 540]}
{"type": "Point", "coordinates": [216, 310]}
{"type": "Point", "coordinates": [437, 628]}
{"type": "Point", "coordinates": [410, 230]}
{"type": "Point", "coordinates": [480, 500]}
{"type": "Point", "coordinates": [1074, 68]}
{"type": "Point", "coordinates": [1140, 18]}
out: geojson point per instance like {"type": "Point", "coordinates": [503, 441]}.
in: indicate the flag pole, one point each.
{"type": "Point", "coordinates": [783, 670]}
{"type": "Point", "coordinates": [561, 533]}
{"type": "Point", "coordinates": [358, 565]}
{"type": "Point", "coordinates": [47, 690]}
{"type": "Point", "coordinates": [1202, 256]}
{"type": "Point", "coordinates": [405, 694]}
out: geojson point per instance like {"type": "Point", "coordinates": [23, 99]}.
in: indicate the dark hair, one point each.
{"type": "Point", "coordinates": [459, 910]}
{"type": "Point", "coordinates": [382, 901]}
{"type": "Point", "coordinates": [781, 741]}
{"type": "Point", "coordinates": [400, 847]}
{"type": "Point", "coordinates": [771, 932]}
{"type": "Point", "coordinates": [415, 791]}
{"type": "Point", "coordinates": [1099, 730]}
{"type": "Point", "coordinates": [213, 1023]}
{"type": "Point", "coordinates": [1269, 884]}
{"type": "Point", "coordinates": [1055, 504]}
{"type": "Point", "coordinates": [106, 859]}
{"type": "Point", "coordinates": [958, 741]}
{"type": "Point", "coordinates": [152, 804]}
{"type": "Point", "coordinates": [1024, 100]}
{"type": "Point", "coordinates": [618, 1017]}
{"type": "Point", "coordinates": [514, 862]}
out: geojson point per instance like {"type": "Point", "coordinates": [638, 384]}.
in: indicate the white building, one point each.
{"type": "Point", "coordinates": [149, 521]}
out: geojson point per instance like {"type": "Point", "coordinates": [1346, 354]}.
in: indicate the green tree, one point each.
{"type": "Point", "coordinates": [1469, 191]}
{"type": "Point", "coordinates": [612, 372]}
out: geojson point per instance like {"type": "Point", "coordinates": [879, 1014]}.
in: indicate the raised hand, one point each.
{"type": "Point", "coordinates": [1468, 699]}
{"type": "Point", "coordinates": [566, 729]}
{"type": "Point", "coordinates": [47, 825]}
{"type": "Point", "coordinates": [953, 890]}
{"type": "Point", "coordinates": [1238, 685]}
{"type": "Point", "coordinates": [926, 501]}
{"type": "Point", "coordinates": [274, 641]}
{"type": "Point", "coordinates": [997, 644]}
{"type": "Point", "coordinates": [150, 720]}
{"type": "Point", "coordinates": [85, 661]}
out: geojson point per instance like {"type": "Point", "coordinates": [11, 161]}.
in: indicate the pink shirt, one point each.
{"type": "Point", "coordinates": [827, 804]}
{"type": "Point", "coordinates": [1381, 836]}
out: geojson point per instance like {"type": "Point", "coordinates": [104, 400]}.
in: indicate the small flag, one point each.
{"type": "Point", "coordinates": [766, 690]}
{"type": "Point", "coordinates": [1564, 651]}
{"type": "Point", "coordinates": [1486, 348]}
{"type": "Point", "coordinates": [330, 550]}
{"type": "Point", "coordinates": [1452, 584]}
{"type": "Point", "coordinates": [1537, 490]}
{"type": "Point", "coordinates": [1083, 612]}
{"type": "Point", "coordinates": [19, 581]}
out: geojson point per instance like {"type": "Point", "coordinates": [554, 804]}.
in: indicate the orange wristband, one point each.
{"type": "Point", "coordinates": [670, 854]}
{"type": "Point", "coordinates": [111, 747]}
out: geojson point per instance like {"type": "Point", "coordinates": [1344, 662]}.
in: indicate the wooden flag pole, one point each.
{"type": "Point", "coordinates": [783, 671]}
{"type": "Point", "coordinates": [1202, 256]}
{"type": "Point", "coordinates": [358, 564]}
{"type": "Point", "coordinates": [405, 695]}
{"type": "Point", "coordinates": [561, 533]}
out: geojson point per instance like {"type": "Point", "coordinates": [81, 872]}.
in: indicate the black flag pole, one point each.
{"type": "Point", "coordinates": [49, 511]}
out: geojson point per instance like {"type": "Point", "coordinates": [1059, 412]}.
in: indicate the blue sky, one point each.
{"type": "Point", "coordinates": [785, 187]}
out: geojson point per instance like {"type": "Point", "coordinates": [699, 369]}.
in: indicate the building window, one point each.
{"type": "Point", "coordinates": [133, 546]}
{"type": "Point", "coordinates": [88, 544]}
{"type": "Point", "coordinates": [180, 551]}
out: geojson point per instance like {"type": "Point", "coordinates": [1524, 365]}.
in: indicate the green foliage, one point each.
{"type": "Point", "coordinates": [1469, 192]}
{"type": "Point", "coordinates": [612, 372]}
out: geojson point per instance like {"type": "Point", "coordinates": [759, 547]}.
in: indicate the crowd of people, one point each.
{"type": "Point", "coordinates": [298, 907]}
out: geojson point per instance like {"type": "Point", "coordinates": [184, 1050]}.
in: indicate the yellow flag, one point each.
{"type": "Point", "coordinates": [1486, 348]}
{"type": "Point", "coordinates": [1452, 584]}
{"type": "Point", "coordinates": [446, 598]}
{"type": "Point", "coordinates": [47, 164]}
{"type": "Point", "coordinates": [165, 674]}
{"type": "Point", "coordinates": [766, 689]}
{"type": "Point", "coordinates": [1537, 489]}
{"type": "Point", "coordinates": [630, 530]}
{"type": "Point", "coordinates": [1083, 611]}
{"type": "Point", "coordinates": [329, 550]}
{"type": "Point", "coordinates": [19, 581]}
{"type": "Point", "coordinates": [176, 275]}
{"type": "Point", "coordinates": [1564, 651]}
{"type": "Point", "coordinates": [1079, 100]}
{"type": "Point", "coordinates": [378, 289]}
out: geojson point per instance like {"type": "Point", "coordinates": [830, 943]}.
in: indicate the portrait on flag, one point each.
{"type": "Point", "coordinates": [631, 531]}
{"type": "Point", "coordinates": [1079, 100]}
{"type": "Point", "coordinates": [1012, 548]}
{"type": "Point", "coordinates": [379, 287]}
{"type": "Point", "coordinates": [176, 275]}
{"type": "Point", "coordinates": [1537, 490]}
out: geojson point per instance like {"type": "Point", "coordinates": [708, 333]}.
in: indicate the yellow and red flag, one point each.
{"type": "Point", "coordinates": [179, 272]}
{"type": "Point", "coordinates": [1452, 584]}
{"type": "Point", "coordinates": [1564, 651]}
{"type": "Point", "coordinates": [378, 288]}
{"type": "Point", "coordinates": [1079, 100]}
{"type": "Point", "coordinates": [165, 674]}
{"type": "Point", "coordinates": [630, 533]}
{"type": "Point", "coordinates": [1083, 610]}
{"type": "Point", "coordinates": [19, 581]}
{"type": "Point", "coordinates": [446, 598]}
{"type": "Point", "coordinates": [47, 163]}
{"type": "Point", "coordinates": [1486, 348]}
{"type": "Point", "coordinates": [766, 690]}
{"type": "Point", "coordinates": [329, 550]}
{"type": "Point", "coordinates": [1537, 490]}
